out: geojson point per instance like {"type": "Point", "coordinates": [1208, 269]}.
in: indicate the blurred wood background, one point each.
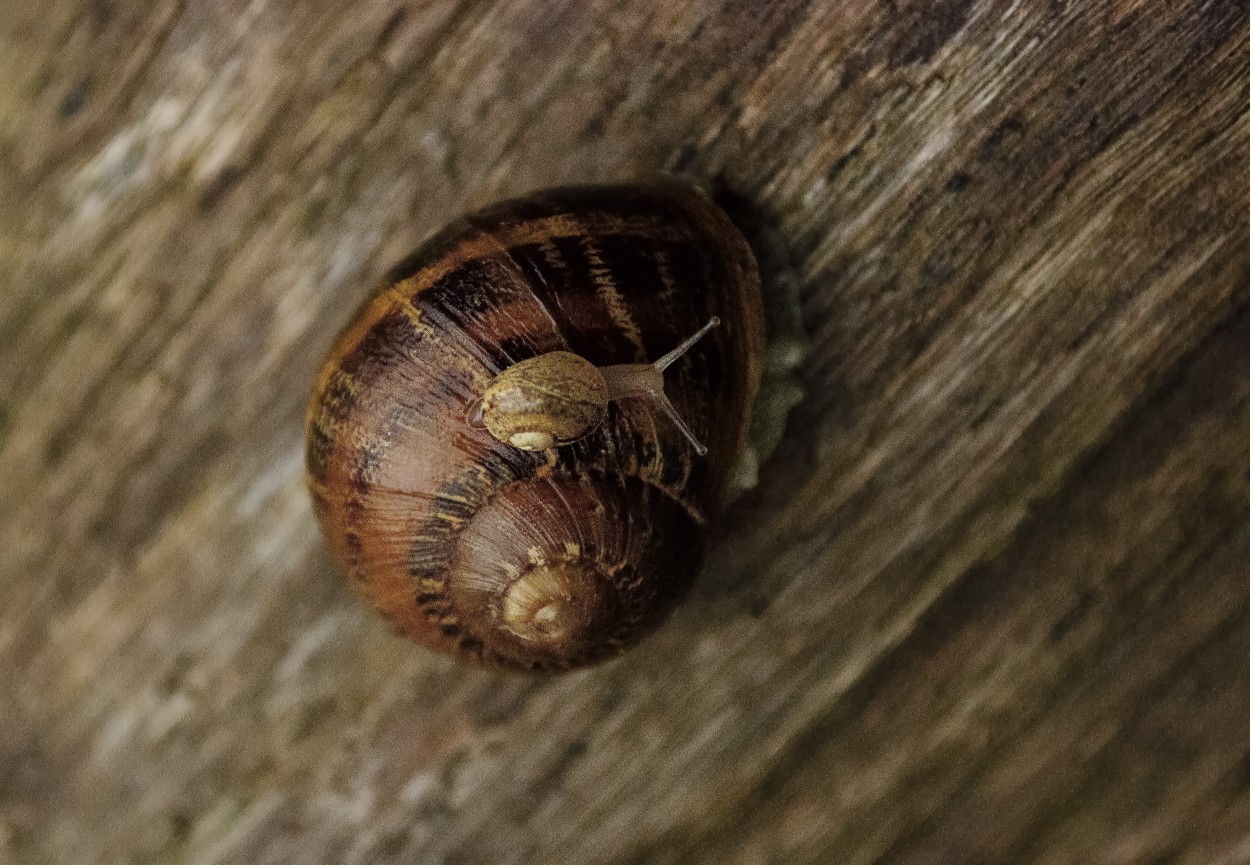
{"type": "Point", "coordinates": [990, 605]}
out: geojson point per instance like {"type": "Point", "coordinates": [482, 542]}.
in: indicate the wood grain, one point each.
{"type": "Point", "coordinates": [990, 603]}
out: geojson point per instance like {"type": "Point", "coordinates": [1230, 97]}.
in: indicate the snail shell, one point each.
{"type": "Point", "coordinates": [541, 546]}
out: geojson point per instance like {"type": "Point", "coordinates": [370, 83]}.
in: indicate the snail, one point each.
{"type": "Point", "coordinates": [516, 447]}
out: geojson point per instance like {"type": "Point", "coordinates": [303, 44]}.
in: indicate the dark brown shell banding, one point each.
{"type": "Point", "coordinates": [547, 559]}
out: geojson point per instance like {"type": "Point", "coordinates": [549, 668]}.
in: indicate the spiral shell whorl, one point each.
{"type": "Point", "coordinates": [624, 545]}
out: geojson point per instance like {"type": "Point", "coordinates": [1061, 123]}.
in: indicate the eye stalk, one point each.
{"type": "Point", "coordinates": [559, 397]}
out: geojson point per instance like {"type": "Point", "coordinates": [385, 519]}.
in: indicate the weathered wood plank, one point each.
{"type": "Point", "coordinates": [1124, 591]}
{"type": "Point", "coordinates": [990, 604]}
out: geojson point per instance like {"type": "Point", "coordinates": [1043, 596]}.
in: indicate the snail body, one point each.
{"type": "Point", "coordinates": [506, 447]}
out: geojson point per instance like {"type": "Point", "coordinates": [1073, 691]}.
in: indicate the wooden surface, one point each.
{"type": "Point", "coordinates": [991, 604]}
